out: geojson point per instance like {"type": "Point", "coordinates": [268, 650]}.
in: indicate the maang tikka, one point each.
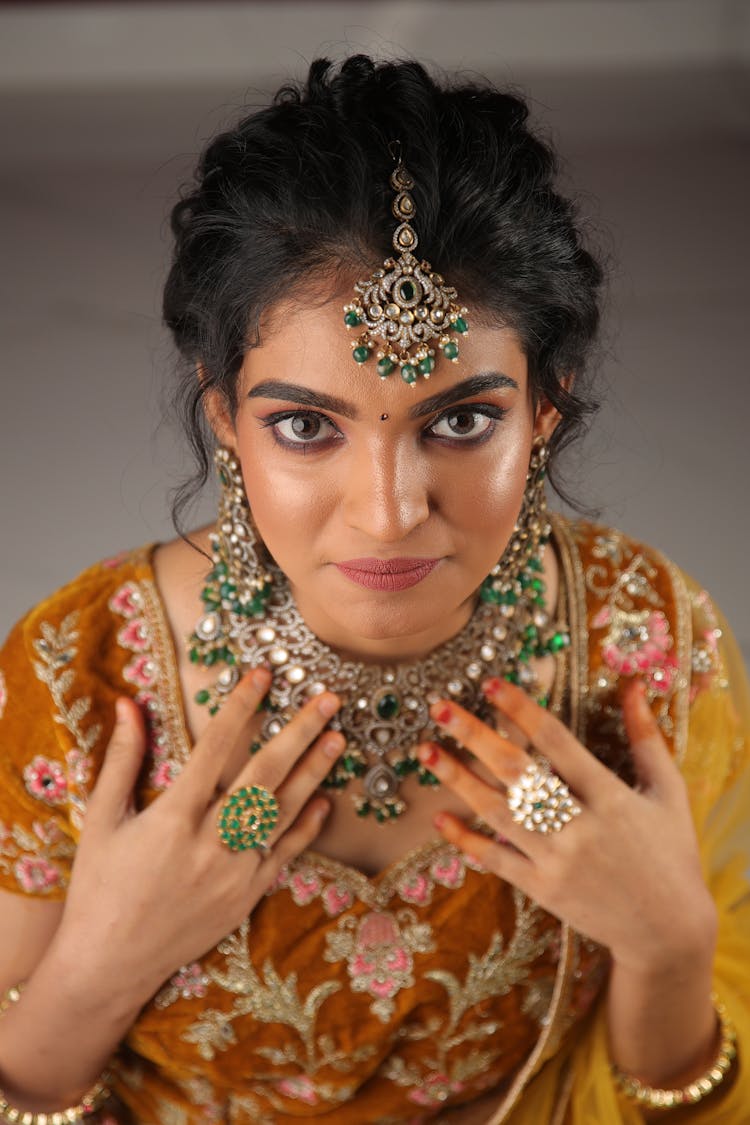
{"type": "Point", "coordinates": [406, 309]}
{"type": "Point", "coordinates": [250, 618]}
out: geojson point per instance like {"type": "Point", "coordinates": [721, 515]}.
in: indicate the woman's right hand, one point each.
{"type": "Point", "coordinates": [152, 890]}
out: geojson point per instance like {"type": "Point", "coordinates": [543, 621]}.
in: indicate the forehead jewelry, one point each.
{"type": "Point", "coordinates": [407, 311]}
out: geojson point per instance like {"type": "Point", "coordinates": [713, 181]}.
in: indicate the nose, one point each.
{"type": "Point", "coordinates": [386, 495]}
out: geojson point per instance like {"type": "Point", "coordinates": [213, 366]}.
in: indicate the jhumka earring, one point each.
{"type": "Point", "coordinates": [406, 308]}
{"type": "Point", "coordinates": [236, 588]}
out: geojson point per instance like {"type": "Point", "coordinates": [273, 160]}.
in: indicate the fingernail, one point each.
{"type": "Point", "coordinates": [333, 744]}
{"type": "Point", "coordinates": [493, 686]}
{"type": "Point", "coordinates": [328, 705]}
{"type": "Point", "coordinates": [121, 711]}
{"type": "Point", "coordinates": [322, 809]}
{"type": "Point", "coordinates": [428, 753]}
{"type": "Point", "coordinates": [444, 714]}
{"type": "Point", "coordinates": [440, 821]}
{"type": "Point", "coordinates": [260, 679]}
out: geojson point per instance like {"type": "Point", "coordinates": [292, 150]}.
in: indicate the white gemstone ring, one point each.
{"type": "Point", "coordinates": [540, 800]}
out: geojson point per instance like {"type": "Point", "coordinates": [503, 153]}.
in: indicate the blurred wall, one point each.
{"type": "Point", "coordinates": [103, 108]}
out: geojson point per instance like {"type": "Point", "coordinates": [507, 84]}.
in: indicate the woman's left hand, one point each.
{"type": "Point", "coordinates": [626, 869]}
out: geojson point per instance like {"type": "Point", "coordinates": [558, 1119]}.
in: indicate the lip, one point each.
{"type": "Point", "coordinates": [387, 574]}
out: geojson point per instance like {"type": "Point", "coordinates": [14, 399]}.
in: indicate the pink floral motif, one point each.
{"type": "Point", "coordinates": [3, 694]}
{"type": "Point", "coordinates": [45, 780]}
{"type": "Point", "coordinates": [142, 671]}
{"type": "Point", "coordinates": [437, 1088]}
{"type": "Point", "coordinates": [300, 1087]}
{"type": "Point", "coordinates": [163, 774]}
{"type": "Point", "coordinates": [35, 874]}
{"type": "Point", "coordinates": [134, 635]}
{"type": "Point", "coordinates": [416, 888]}
{"type": "Point", "coordinates": [336, 899]}
{"type": "Point", "coordinates": [379, 957]}
{"type": "Point", "coordinates": [305, 886]}
{"type": "Point", "coordinates": [127, 601]}
{"type": "Point", "coordinates": [190, 981]}
{"type": "Point", "coordinates": [448, 870]}
{"type": "Point", "coordinates": [636, 643]}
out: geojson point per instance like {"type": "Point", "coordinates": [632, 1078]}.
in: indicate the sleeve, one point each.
{"type": "Point", "coordinates": [36, 841]}
{"type": "Point", "coordinates": [716, 767]}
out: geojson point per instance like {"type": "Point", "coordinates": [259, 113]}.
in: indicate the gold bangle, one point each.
{"type": "Point", "coordinates": [92, 1100]}
{"type": "Point", "coordinates": [651, 1097]}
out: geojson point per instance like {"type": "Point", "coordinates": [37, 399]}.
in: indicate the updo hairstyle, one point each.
{"type": "Point", "coordinates": [300, 189]}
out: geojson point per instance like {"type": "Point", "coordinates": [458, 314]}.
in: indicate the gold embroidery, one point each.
{"type": "Point", "coordinates": [31, 855]}
{"type": "Point", "coordinates": [56, 649]}
{"type": "Point", "coordinates": [269, 999]}
{"type": "Point", "coordinates": [378, 949]}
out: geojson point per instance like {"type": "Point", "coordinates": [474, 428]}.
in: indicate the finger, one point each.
{"type": "Point", "coordinates": [572, 761]}
{"type": "Point", "coordinates": [307, 776]}
{"type": "Point", "coordinates": [226, 731]}
{"type": "Point", "coordinates": [486, 801]}
{"type": "Point", "coordinates": [112, 797]}
{"type": "Point", "coordinates": [271, 765]}
{"type": "Point", "coordinates": [499, 754]}
{"type": "Point", "coordinates": [299, 836]}
{"type": "Point", "coordinates": [507, 862]}
{"type": "Point", "coordinates": [653, 763]}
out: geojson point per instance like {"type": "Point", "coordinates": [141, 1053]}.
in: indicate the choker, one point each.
{"type": "Point", "coordinates": [251, 620]}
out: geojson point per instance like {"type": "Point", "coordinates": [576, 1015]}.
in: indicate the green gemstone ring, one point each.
{"type": "Point", "coordinates": [247, 818]}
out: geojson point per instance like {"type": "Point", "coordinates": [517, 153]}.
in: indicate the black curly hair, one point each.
{"type": "Point", "coordinates": [300, 188]}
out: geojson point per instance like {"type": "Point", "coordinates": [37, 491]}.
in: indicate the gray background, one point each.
{"type": "Point", "coordinates": [103, 108]}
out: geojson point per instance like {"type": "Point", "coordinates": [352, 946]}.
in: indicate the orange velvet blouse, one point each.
{"type": "Point", "coordinates": [348, 999]}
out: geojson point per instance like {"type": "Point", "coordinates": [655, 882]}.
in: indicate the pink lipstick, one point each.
{"type": "Point", "coordinates": [387, 574]}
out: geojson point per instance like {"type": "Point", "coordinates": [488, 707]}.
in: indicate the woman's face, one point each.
{"type": "Point", "coordinates": [385, 505]}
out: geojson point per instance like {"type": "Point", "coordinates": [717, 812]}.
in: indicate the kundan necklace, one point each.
{"type": "Point", "coordinates": [251, 618]}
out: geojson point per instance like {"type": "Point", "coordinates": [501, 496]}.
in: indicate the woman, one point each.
{"type": "Point", "coordinates": [484, 858]}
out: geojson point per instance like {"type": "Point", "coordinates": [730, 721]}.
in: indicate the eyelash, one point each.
{"type": "Point", "coordinates": [490, 411]}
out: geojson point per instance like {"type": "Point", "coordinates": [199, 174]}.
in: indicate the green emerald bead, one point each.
{"type": "Point", "coordinates": [512, 677]}
{"type": "Point", "coordinates": [535, 564]}
{"type": "Point", "coordinates": [460, 325]}
{"type": "Point", "coordinates": [361, 354]}
{"type": "Point", "coordinates": [202, 696]}
{"type": "Point", "coordinates": [537, 585]}
{"type": "Point", "coordinates": [427, 365]}
{"type": "Point", "coordinates": [224, 477]}
{"type": "Point", "coordinates": [227, 589]}
{"type": "Point", "coordinates": [347, 762]}
{"type": "Point", "coordinates": [401, 769]}
{"type": "Point", "coordinates": [407, 290]}
{"type": "Point", "coordinates": [379, 815]}
{"type": "Point", "coordinates": [351, 319]}
{"type": "Point", "coordinates": [385, 367]}
{"type": "Point", "coordinates": [450, 351]}
{"type": "Point", "coordinates": [388, 706]}
{"type": "Point", "coordinates": [221, 568]}
{"type": "Point", "coordinates": [409, 373]}
{"type": "Point", "coordinates": [363, 809]}
{"type": "Point", "coordinates": [544, 701]}
{"type": "Point", "coordinates": [194, 655]}
{"type": "Point", "coordinates": [557, 642]}
{"type": "Point", "coordinates": [214, 710]}
{"type": "Point", "coordinates": [487, 594]}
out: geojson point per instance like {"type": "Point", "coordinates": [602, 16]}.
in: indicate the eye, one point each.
{"type": "Point", "coordinates": [466, 423]}
{"type": "Point", "coordinates": [301, 427]}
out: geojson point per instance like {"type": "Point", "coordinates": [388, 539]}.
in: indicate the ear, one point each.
{"type": "Point", "coordinates": [218, 415]}
{"type": "Point", "coordinates": [547, 416]}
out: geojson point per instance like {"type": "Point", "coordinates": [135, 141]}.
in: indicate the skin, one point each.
{"type": "Point", "coordinates": [409, 484]}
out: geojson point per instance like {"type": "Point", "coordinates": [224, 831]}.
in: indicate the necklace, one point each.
{"type": "Point", "coordinates": [250, 620]}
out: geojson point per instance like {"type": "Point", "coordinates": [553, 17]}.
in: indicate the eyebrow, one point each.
{"type": "Point", "coordinates": [305, 396]}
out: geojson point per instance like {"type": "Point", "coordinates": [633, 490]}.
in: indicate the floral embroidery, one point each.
{"type": "Point", "coordinates": [3, 693]}
{"type": "Point", "coordinates": [638, 642]}
{"type": "Point", "coordinates": [56, 649]}
{"type": "Point", "coordinates": [338, 886]}
{"type": "Point", "coordinates": [145, 673]}
{"type": "Point", "coordinates": [188, 983]}
{"type": "Point", "coordinates": [31, 856]}
{"type": "Point", "coordinates": [45, 780]}
{"type": "Point", "coordinates": [706, 664]}
{"type": "Point", "coordinates": [378, 950]}
{"type": "Point", "coordinates": [501, 968]}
